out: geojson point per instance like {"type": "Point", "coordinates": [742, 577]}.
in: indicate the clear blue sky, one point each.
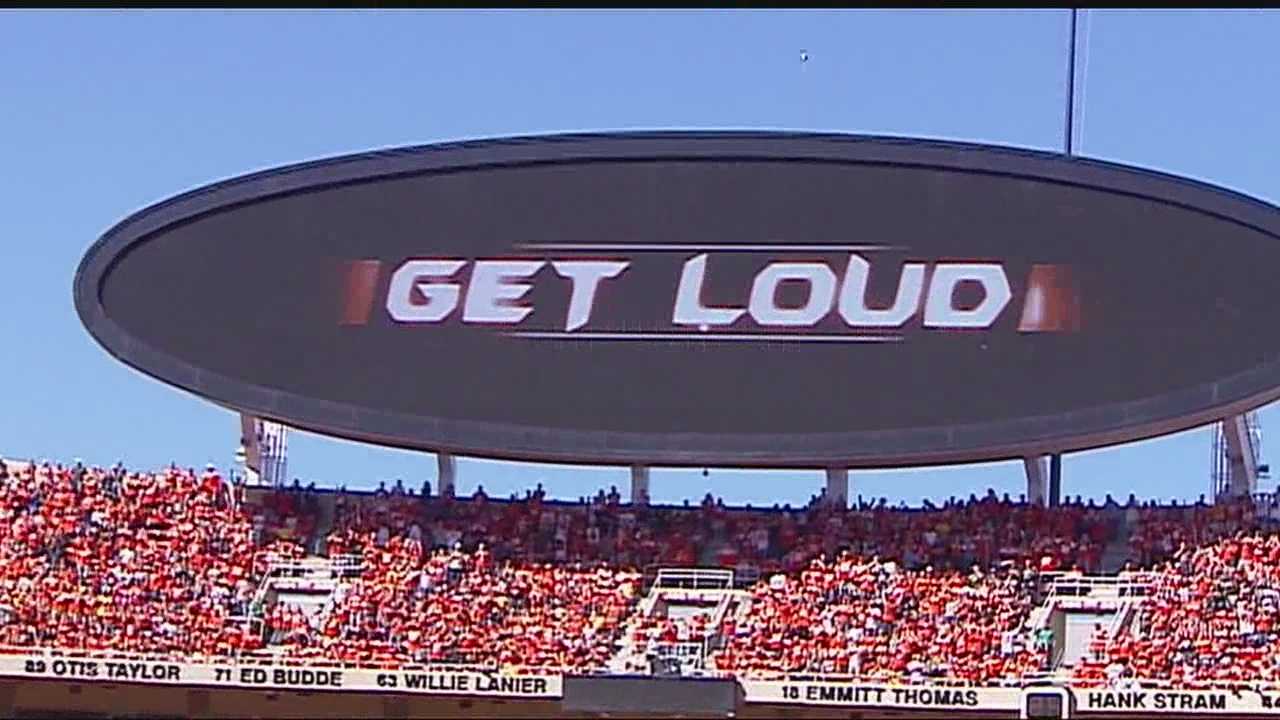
{"type": "Point", "coordinates": [102, 113]}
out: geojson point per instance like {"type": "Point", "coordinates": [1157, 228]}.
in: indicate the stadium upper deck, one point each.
{"type": "Point", "coordinates": [181, 564]}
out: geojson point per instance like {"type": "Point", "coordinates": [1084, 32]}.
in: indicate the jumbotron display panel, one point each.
{"type": "Point", "coordinates": [701, 298]}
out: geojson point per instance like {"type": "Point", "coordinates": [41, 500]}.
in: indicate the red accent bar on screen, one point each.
{"type": "Point", "coordinates": [360, 282]}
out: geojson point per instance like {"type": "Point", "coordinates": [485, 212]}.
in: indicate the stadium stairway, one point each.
{"type": "Point", "coordinates": [1079, 629]}
{"type": "Point", "coordinates": [312, 585]}
{"type": "Point", "coordinates": [629, 658]}
{"type": "Point", "coordinates": [1081, 609]}
{"type": "Point", "coordinates": [687, 597]}
{"type": "Point", "coordinates": [1117, 551]}
{"type": "Point", "coordinates": [324, 523]}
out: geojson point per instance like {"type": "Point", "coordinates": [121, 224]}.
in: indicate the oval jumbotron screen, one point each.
{"type": "Point", "coordinates": [750, 299]}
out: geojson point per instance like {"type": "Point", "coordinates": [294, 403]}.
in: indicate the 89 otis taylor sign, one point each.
{"type": "Point", "coordinates": [282, 677]}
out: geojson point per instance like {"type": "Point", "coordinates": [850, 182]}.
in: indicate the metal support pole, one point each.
{"type": "Point", "coordinates": [639, 484]}
{"type": "Point", "coordinates": [1068, 146]}
{"type": "Point", "coordinates": [838, 487]}
{"type": "Point", "coordinates": [447, 472]}
{"type": "Point", "coordinates": [1055, 480]}
{"type": "Point", "coordinates": [1037, 469]}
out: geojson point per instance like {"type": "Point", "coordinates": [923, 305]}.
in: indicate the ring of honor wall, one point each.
{"type": "Point", "coordinates": [39, 685]}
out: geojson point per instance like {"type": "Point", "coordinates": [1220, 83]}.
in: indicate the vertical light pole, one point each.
{"type": "Point", "coordinates": [1068, 146]}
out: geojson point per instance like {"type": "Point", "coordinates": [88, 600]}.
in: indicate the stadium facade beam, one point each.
{"type": "Point", "coordinates": [838, 487]}
{"type": "Point", "coordinates": [639, 484]}
{"type": "Point", "coordinates": [252, 450]}
{"type": "Point", "coordinates": [447, 474]}
{"type": "Point", "coordinates": [1037, 470]}
{"type": "Point", "coordinates": [1055, 480]}
{"type": "Point", "coordinates": [265, 448]}
{"type": "Point", "coordinates": [1242, 456]}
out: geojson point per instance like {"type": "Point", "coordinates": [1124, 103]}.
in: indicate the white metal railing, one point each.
{"type": "Point", "coordinates": [1121, 619]}
{"type": "Point", "coordinates": [1041, 615]}
{"type": "Point", "coordinates": [688, 655]}
{"type": "Point", "coordinates": [687, 585]}
{"type": "Point", "coordinates": [1057, 656]}
{"type": "Point", "coordinates": [645, 606]}
{"type": "Point", "coordinates": [1125, 586]}
{"type": "Point", "coordinates": [717, 622]}
{"type": "Point", "coordinates": [746, 575]}
{"type": "Point", "coordinates": [305, 575]}
{"type": "Point", "coordinates": [722, 608]}
{"type": "Point", "coordinates": [289, 579]}
{"type": "Point", "coordinates": [347, 563]}
{"type": "Point", "coordinates": [694, 579]}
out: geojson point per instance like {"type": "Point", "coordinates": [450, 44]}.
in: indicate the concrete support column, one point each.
{"type": "Point", "coordinates": [1055, 480]}
{"type": "Point", "coordinates": [639, 484]}
{"type": "Point", "coordinates": [838, 487]}
{"type": "Point", "coordinates": [251, 450]}
{"type": "Point", "coordinates": [1240, 450]}
{"type": "Point", "coordinates": [1037, 469]}
{"type": "Point", "coordinates": [447, 473]}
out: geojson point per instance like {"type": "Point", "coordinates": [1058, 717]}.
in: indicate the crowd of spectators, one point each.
{"type": "Point", "coordinates": [135, 562]}
{"type": "Point", "coordinates": [677, 628]}
{"type": "Point", "coordinates": [957, 534]}
{"type": "Point", "coordinates": [290, 514]}
{"type": "Point", "coordinates": [411, 605]}
{"type": "Point", "coordinates": [1158, 531]}
{"type": "Point", "coordinates": [532, 529]}
{"type": "Point", "coordinates": [172, 562]}
{"type": "Point", "coordinates": [1213, 617]}
{"type": "Point", "coordinates": [875, 619]}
